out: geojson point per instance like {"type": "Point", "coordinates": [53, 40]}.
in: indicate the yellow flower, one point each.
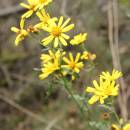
{"type": "Point", "coordinates": [43, 3]}
{"type": "Point", "coordinates": [73, 65]}
{"type": "Point", "coordinates": [44, 18]}
{"type": "Point", "coordinates": [50, 63]}
{"type": "Point", "coordinates": [32, 6]}
{"type": "Point", "coordinates": [115, 75]}
{"type": "Point", "coordinates": [85, 55]}
{"type": "Point", "coordinates": [51, 56]}
{"type": "Point", "coordinates": [106, 87]}
{"type": "Point", "coordinates": [115, 127]}
{"type": "Point", "coordinates": [88, 56]}
{"type": "Point", "coordinates": [78, 39]}
{"type": "Point", "coordinates": [49, 68]}
{"type": "Point", "coordinates": [102, 90]}
{"type": "Point", "coordinates": [21, 33]}
{"type": "Point", "coordinates": [126, 127]}
{"type": "Point", "coordinates": [57, 32]}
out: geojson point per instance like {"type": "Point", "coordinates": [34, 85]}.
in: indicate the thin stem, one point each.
{"type": "Point", "coordinates": [117, 117]}
{"type": "Point", "coordinates": [72, 96]}
{"type": "Point", "coordinates": [114, 112]}
{"type": "Point", "coordinates": [113, 35]}
{"type": "Point", "coordinates": [83, 47]}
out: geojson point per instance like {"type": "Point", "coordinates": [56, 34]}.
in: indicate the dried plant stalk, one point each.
{"type": "Point", "coordinates": [113, 34]}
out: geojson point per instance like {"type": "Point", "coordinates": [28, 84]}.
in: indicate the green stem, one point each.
{"type": "Point", "coordinates": [114, 112]}
{"type": "Point", "coordinates": [116, 116]}
{"type": "Point", "coordinates": [83, 47]}
{"type": "Point", "coordinates": [78, 105]}
{"type": "Point", "coordinates": [72, 96]}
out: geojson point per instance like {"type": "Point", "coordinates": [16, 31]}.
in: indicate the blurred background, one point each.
{"type": "Point", "coordinates": [26, 103]}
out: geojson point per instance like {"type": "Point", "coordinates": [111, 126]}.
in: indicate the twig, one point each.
{"type": "Point", "coordinates": [123, 106]}
{"type": "Point", "coordinates": [51, 124]}
{"type": "Point", "coordinates": [26, 111]}
{"type": "Point", "coordinates": [110, 32]}
{"type": "Point", "coordinates": [10, 10]}
{"type": "Point", "coordinates": [128, 93]}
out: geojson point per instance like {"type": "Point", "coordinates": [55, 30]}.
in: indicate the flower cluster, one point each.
{"type": "Point", "coordinates": [107, 87]}
{"type": "Point", "coordinates": [60, 63]}
{"type": "Point", "coordinates": [55, 60]}
{"type": "Point", "coordinates": [33, 7]}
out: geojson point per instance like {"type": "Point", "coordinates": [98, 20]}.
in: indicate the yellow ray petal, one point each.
{"type": "Point", "coordinates": [77, 57]}
{"type": "Point", "coordinates": [56, 42]}
{"type": "Point", "coordinates": [71, 57]}
{"type": "Point", "coordinates": [66, 60]}
{"type": "Point", "coordinates": [60, 21]}
{"type": "Point", "coordinates": [25, 5]}
{"type": "Point", "coordinates": [45, 43]}
{"type": "Point", "coordinates": [65, 36]}
{"type": "Point", "coordinates": [17, 40]}
{"type": "Point", "coordinates": [93, 99]}
{"type": "Point", "coordinates": [27, 14]}
{"type": "Point", "coordinates": [22, 23]}
{"type": "Point", "coordinates": [47, 38]}
{"type": "Point", "coordinates": [46, 29]}
{"type": "Point", "coordinates": [63, 41]}
{"type": "Point", "coordinates": [68, 28]}
{"type": "Point", "coordinates": [65, 23]}
{"type": "Point", "coordinates": [90, 89]}
{"type": "Point", "coordinates": [14, 29]}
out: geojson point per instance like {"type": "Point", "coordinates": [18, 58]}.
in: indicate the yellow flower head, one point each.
{"type": "Point", "coordinates": [49, 68]}
{"type": "Point", "coordinates": [78, 39]}
{"type": "Point", "coordinates": [74, 65]}
{"type": "Point", "coordinates": [57, 32]}
{"type": "Point", "coordinates": [50, 63]}
{"type": "Point", "coordinates": [88, 56]}
{"type": "Point", "coordinates": [125, 127]}
{"type": "Point", "coordinates": [21, 33]}
{"type": "Point", "coordinates": [102, 91]}
{"type": "Point", "coordinates": [115, 127]}
{"type": "Point", "coordinates": [32, 6]}
{"type": "Point", "coordinates": [107, 76]}
{"type": "Point", "coordinates": [107, 87]}
{"type": "Point", "coordinates": [44, 18]}
{"type": "Point", "coordinates": [51, 56]}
